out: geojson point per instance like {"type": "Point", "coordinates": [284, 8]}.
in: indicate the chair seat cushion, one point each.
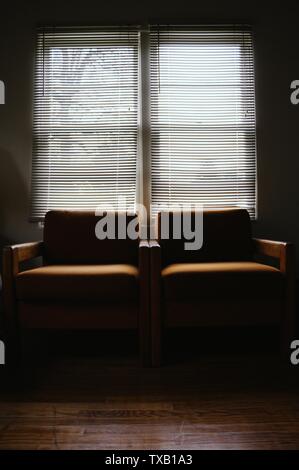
{"type": "Point", "coordinates": [113, 283]}
{"type": "Point", "coordinates": [225, 280]}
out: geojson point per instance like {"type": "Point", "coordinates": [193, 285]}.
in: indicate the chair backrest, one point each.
{"type": "Point", "coordinates": [70, 238]}
{"type": "Point", "coordinates": [226, 237]}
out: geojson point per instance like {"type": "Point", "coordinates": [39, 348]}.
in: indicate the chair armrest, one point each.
{"type": "Point", "coordinates": [155, 255]}
{"type": "Point", "coordinates": [154, 244]}
{"type": "Point", "coordinates": [144, 256]}
{"type": "Point", "coordinates": [144, 302]}
{"type": "Point", "coordinates": [13, 255]}
{"type": "Point", "coordinates": [143, 244]}
{"type": "Point", "coordinates": [283, 251]}
{"type": "Point", "coordinates": [156, 313]}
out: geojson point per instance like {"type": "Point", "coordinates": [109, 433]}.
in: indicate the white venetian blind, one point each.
{"type": "Point", "coordinates": [203, 117]}
{"type": "Point", "coordinates": [85, 118]}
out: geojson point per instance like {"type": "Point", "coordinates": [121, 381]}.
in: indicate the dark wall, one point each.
{"type": "Point", "coordinates": [277, 64]}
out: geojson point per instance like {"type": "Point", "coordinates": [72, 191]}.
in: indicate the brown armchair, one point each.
{"type": "Point", "coordinates": [223, 283]}
{"type": "Point", "coordinates": [83, 282]}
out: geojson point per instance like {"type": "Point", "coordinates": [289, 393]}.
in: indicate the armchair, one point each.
{"type": "Point", "coordinates": [223, 283]}
{"type": "Point", "coordinates": [83, 282]}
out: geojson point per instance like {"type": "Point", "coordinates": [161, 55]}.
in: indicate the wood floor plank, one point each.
{"type": "Point", "coordinates": [224, 402]}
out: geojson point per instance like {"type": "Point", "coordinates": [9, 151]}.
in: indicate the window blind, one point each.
{"type": "Point", "coordinates": [85, 118]}
{"type": "Point", "coordinates": [202, 117]}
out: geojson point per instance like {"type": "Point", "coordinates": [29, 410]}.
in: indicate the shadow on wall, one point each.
{"type": "Point", "coordinates": [14, 199]}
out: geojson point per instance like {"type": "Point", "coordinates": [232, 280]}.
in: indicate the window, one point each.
{"type": "Point", "coordinates": [85, 119]}
{"type": "Point", "coordinates": [163, 116]}
{"type": "Point", "coordinates": [203, 117]}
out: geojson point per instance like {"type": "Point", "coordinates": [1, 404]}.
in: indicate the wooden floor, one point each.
{"type": "Point", "coordinates": [234, 399]}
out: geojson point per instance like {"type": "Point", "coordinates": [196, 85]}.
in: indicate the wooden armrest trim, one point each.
{"type": "Point", "coordinates": [284, 251]}
{"type": "Point", "coordinates": [156, 320]}
{"type": "Point", "coordinates": [154, 244]}
{"type": "Point", "coordinates": [13, 255]}
{"type": "Point", "coordinates": [155, 255]}
{"type": "Point", "coordinates": [144, 300]}
{"type": "Point", "coordinates": [269, 247]}
{"type": "Point", "coordinates": [143, 256]}
{"type": "Point", "coordinates": [26, 251]}
{"type": "Point", "coordinates": [144, 244]}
